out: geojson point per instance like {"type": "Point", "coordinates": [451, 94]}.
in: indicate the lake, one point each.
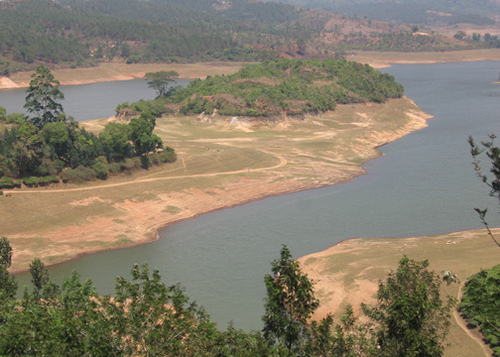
{"type": "Point", "coordinates": [424, 184]}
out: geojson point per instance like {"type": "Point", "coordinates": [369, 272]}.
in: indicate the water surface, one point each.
{"type": "Point", "coordinates": [424, 184]}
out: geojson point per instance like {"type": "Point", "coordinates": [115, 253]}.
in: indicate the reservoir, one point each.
{"type": "Point", "coordinates": [424, 184]}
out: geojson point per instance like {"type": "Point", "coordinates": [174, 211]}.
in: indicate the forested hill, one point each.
{"type": "Point", "coordinates": [285, 86]}
{"type": "Point", "coordinates": [82, 33]}
{"type": "Point", "coordinates": [449, 12]}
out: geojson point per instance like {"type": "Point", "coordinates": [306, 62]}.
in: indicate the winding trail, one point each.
{"type": "Point", "coordinates": [282, 163]}
{"type": "Point", "coordinates": [460, 322]}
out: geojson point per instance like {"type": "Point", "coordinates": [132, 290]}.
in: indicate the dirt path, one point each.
{"type": "Point", "coordinates": [282, 163]}
{"type": "Point", "coordinates": [460, 322]}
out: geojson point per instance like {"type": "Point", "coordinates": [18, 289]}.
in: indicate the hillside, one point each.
{"type": "Point", "coordinates": [291, 87]}
{"type": "Point", "coordinates": [76, 33]}
{"type": "Point", "coordinates": [429, 12]}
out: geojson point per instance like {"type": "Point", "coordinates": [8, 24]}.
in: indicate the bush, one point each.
{"type": "Point", "coordinates": [32, 181]}
{"type": "Point", "coordinates": [78, 175]}
{"type": "Point", "coordinates": [101, 167]}
{"type": "Point", "coordinates": [167, 155]}
{"type": "Point", "coordinates": [7, 182]}
{"type": "Point", "coordinates": [115, 167]}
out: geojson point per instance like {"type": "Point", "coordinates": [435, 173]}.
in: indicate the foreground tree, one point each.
{"type": "Point", "coordinates": [289, 303]}
{"type": "Point", "coordinates": [413, 320]}
{"type": "Point", "coordinates": [492, 152]}
{"type": "Point", "coordinates": [42, 98]}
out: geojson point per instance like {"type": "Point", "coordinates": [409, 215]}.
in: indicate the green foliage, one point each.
{"type": "Point", "coordinates": [78, 175]}
{"type": "Point", "coordinates": [101, 167]}
{"type": "Point", "coordinates": [412, 318]}
{"type": "Point", "coordinates": [160, 82]}
{"type": "Point", "coordinates": [42, 99]}
{"type": "Point", "coordinates": [146, 317]}
{"type": "Point", "coordinates": [481, 304]}
{"type": "Point", "coordinates": [288, 86]}
{"type": "Point", "coordinates": [289, 303]}
{"type": "Point", "coordinates": [49, 144]}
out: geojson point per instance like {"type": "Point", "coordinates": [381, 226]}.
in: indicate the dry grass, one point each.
{"type": "Point", "coordinates": [348, 273]}
{"type": "Point", "coordinates": [385, 59]}
{"type": "Point", "coordinates": [115, 71]}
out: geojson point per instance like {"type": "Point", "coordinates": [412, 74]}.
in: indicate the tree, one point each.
{"type": "Point", "coordinates": [412, 319]}
{"type": "Point", "coordinates": [289, 303]}
{"type": "Point", "coordinates": [8, 285]}
{"type": "Point", "coordinates": [141, 134]}
{"type": "Point", "coordinates": [39, 276]}
{"type": "Point", "coordinates": [42, 99]}
{"type": "Point", "coordinates": [492, 152]}
{"type": "Point", "coordinates": [160, 81]}
{"type": "Point", "coordinates": [460, 35]}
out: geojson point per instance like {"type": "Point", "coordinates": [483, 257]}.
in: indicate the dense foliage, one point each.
{"type": "Point", "coordinates": [287, 87]}
{"type": "Point", "coordinates": [84, 32]}
{"type": "Point", "coordinates": [413, 320]}
{"type": "Point", "coordinates": [47, 143]}
{"type": "Point", "coordinates": [145, 317]}
{"type": "Point", "coordinates": [481, 305]}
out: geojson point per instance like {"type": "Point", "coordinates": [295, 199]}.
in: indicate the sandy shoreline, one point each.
{"type": "Point", "coordinates": [116, 71]}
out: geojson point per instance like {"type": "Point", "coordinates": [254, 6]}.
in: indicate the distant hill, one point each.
{"type": "Point", "coordinates": [430, 12]}
{"type": "Point", "coordinates": [84, 32]}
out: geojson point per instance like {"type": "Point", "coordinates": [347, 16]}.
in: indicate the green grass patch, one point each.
{"type": "Point", "coordinates": [172, 209]}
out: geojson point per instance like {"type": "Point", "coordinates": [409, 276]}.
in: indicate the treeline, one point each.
{"type": "Point", "coordinates": [85, 32]}
{"type": "Point", "coordinates": [47, 144]}
{"type": "Point", "coordinates": [291, 87]}
{"type": "Point", "coordinates": [145, 317]}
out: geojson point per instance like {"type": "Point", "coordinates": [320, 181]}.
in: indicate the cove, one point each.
{"type": "Point", "coordinates": [88, 101]}
{"type": "Point", "coordinates": [424, 184]}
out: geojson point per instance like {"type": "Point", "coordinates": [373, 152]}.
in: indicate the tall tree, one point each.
{"type": "Point", "coordinates": [42, 99]}
{"type": "Point", "coordinates": [289, 303]}
{"type": "Point", "coordinates": [8, 285]}
{"type": "Point", "coordinates": [160, 81]}
{"type": "Point", "coordinates": [412, 319]}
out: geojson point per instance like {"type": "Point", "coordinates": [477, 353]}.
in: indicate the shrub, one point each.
{"type": "Point", "coordinates": [7, 182]}
{"type": "Point", "coordinates": [78, 175]}
{"type": "Point", "coordinates": [101, 167]}
{"type": "Point", "coordinates": [32, 181]}
{"type": "Point", "coordinates": [167, 155]}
